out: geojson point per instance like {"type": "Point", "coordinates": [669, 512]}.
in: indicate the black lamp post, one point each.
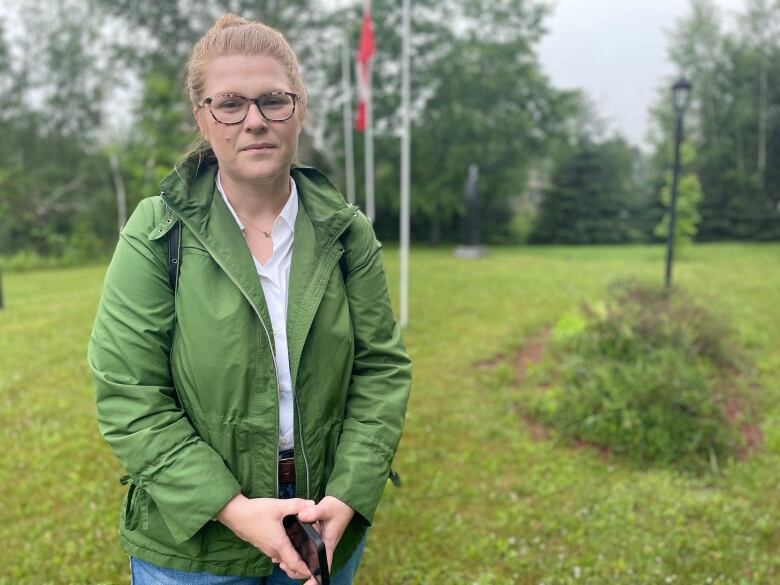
{"type": "Point", "coordinates": [681, 93]}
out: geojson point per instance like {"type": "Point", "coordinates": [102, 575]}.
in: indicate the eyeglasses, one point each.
{"type": "Point", "coordinates": [229, 108]}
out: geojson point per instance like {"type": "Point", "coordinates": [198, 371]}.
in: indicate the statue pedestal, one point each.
{"type": "Point", "coordinates": [470, 252]}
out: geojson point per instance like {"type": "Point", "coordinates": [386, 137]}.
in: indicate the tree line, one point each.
{"type": "Point", "coordinates": [94, 114]}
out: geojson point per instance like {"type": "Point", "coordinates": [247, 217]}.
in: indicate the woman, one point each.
{"type": "Point", "coordinates": [270, 379]}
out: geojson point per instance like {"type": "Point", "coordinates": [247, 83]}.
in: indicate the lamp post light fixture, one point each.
{"type": "Point", "coordinates": [681, 94]}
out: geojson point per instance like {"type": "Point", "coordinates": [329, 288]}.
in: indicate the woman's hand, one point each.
{"type": "Point", "coordinates": [333, 515]}
{"type": "Point", "coordinates": [258, 521]}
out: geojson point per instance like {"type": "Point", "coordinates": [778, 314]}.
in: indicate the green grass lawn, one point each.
{"type": "Point", "coordinates": [483, 501]}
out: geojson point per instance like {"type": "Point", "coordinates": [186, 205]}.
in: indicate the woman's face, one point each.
{"type": "Point", "coordinates": [255, 151]}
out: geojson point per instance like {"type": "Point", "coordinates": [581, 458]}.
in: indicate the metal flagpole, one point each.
{"type": "Point", "coordinates": [369, 147]}
{"type": "Point", "coordinates": [406, 160]}
{"type": "Point", "coordinates": [347, 95]}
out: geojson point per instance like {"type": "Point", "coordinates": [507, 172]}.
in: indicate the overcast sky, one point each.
{"type": "Point", "coordinates": [616, 51]}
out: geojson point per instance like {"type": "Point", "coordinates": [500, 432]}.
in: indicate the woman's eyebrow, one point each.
{"type": "Point", "coordinates": [256, 94]}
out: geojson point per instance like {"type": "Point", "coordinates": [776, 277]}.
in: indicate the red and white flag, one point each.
{"type": "Point", "coordinates": [366, 50]}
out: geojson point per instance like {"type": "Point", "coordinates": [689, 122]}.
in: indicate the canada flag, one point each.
{"type": "Point", "coordinates": [366, 50]}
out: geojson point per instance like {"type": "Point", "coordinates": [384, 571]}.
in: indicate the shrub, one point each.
{"type": "Point", "coordinates": [81, 247]}
{"type": "Point", "coordinates": [647, 375]}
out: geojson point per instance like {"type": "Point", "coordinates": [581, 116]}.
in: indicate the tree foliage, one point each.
{"type": "Point", "coordinates": [95, 113]}
{"type": "Point", "coordinates": [592, 198]}
{"type": "Point", "coordinates": [734, 118]}
{"type": "Point", "coordinates": [51, 183]}
{"type": "Point", "coordinates": [689, 195]}
{"type": "Point", "coordinates": [480, 98]}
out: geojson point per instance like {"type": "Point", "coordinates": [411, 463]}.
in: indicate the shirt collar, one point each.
{"type": "Point", "coordinates": [287, 215]}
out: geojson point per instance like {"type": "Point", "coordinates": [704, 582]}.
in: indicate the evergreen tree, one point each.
{"type": "Point", "coordinates": [591, 198]}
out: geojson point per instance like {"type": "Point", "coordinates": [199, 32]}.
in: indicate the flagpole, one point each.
{"type": "Point", "coordinates": [369, 148]}
{"type": "Point", "coordinates": [406, 137]}
{"type": "Point", "coordinates": [346, 90]}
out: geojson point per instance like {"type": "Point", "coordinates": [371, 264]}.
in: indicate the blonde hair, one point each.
{"type": "Point", "coordinates": [232, 35]}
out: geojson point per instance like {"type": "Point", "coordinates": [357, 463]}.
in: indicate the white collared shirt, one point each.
{"type": "Point", "coordinates": [275, 278]}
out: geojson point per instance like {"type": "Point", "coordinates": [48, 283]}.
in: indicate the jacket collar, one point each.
{"type": "Point", "coordinates": [190, 191]}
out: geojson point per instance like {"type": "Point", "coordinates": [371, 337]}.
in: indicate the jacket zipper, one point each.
{"type": "Point", "coordinates": [267, 336]}
{"type": "Point", "coordinates": [294, 393]}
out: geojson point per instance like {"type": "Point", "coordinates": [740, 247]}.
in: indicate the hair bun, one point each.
{"type": "Point", "coordinates": [228, 20]}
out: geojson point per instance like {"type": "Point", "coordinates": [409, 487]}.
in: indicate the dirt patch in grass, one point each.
{"type": "Point", "coordinates": [529, 354]}
{"type": "Point", "coordinates": [751, 433]}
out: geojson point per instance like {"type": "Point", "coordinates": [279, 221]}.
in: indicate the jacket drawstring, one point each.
{"type": "Point", "coordinates": [136, 497]}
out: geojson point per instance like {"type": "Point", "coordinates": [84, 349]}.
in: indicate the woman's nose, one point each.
{"type": "Point", "coordinates": [254, 119]}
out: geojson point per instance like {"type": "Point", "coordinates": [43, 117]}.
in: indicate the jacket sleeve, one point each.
{"type": "Point", "coordinates": [380, 382]}
{"type": "Point", "coordinates": [137, 409]}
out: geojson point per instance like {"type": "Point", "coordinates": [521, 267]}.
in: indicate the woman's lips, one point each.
{"type": "Point", "coordinates": [255, 147]}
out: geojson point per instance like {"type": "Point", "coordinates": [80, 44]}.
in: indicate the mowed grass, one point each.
{"type": "Point", "coordinates": [483, 501]}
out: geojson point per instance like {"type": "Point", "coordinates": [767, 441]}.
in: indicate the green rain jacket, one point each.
{"type": "Point", "coordinates": [186, 385]}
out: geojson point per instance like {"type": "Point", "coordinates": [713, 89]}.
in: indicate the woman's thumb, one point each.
{"type": "Point", "coordinates": [295, 505]}
{"type": "Point", "coordinates": [309, 514]}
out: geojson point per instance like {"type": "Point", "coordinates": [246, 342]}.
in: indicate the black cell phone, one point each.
{"type": "Point", "coordinates": [307, 541]}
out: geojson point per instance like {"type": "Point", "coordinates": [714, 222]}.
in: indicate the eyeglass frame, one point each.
{"type": "Point", "coordinates": [256, 100]}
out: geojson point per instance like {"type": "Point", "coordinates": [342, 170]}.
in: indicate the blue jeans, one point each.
{"type": "Point", "coordinates": [145, 573]}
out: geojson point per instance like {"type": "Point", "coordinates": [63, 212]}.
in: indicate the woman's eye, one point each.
{"type": "Point", "coordinates": [229, 104]}
{"type": "Point", "coordinates": [276, 101]}
{"type": "Point", "coordinates": [272, 103]}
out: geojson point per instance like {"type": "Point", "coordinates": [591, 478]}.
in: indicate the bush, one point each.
{"type": "Point", "coordinates": [80, 247]}
{"type": "Point", "coordinates": [26, 261]}
{"type": "Point", "coordinates": [647, 375]}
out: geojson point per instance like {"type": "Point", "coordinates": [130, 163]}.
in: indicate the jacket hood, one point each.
{"type": "Point", "coordinates": [190, 190]}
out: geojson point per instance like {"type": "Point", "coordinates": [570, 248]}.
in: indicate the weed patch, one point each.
{"type": "Point", "coordinates": [655, 377]}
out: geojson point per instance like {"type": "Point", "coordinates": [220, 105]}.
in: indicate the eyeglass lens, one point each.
{"type": "Point", "coordinates": [230, 109]}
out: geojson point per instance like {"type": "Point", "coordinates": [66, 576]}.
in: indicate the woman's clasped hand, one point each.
{"type": "Point", "coordinates": [258, 521]}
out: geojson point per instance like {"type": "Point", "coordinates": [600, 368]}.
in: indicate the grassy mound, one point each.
{"type": "Point", "coordinates": [653, 376]}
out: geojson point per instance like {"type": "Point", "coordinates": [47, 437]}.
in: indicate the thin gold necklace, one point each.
{"type": "Point", "coordinates": [265, 233]}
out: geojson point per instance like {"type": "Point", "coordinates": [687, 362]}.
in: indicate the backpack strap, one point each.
{"type": "Point", "coordinates": [174, 255]}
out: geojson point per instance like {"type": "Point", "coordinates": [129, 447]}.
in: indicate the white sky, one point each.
{"type": "Point", "coordinates": [616, 51]}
